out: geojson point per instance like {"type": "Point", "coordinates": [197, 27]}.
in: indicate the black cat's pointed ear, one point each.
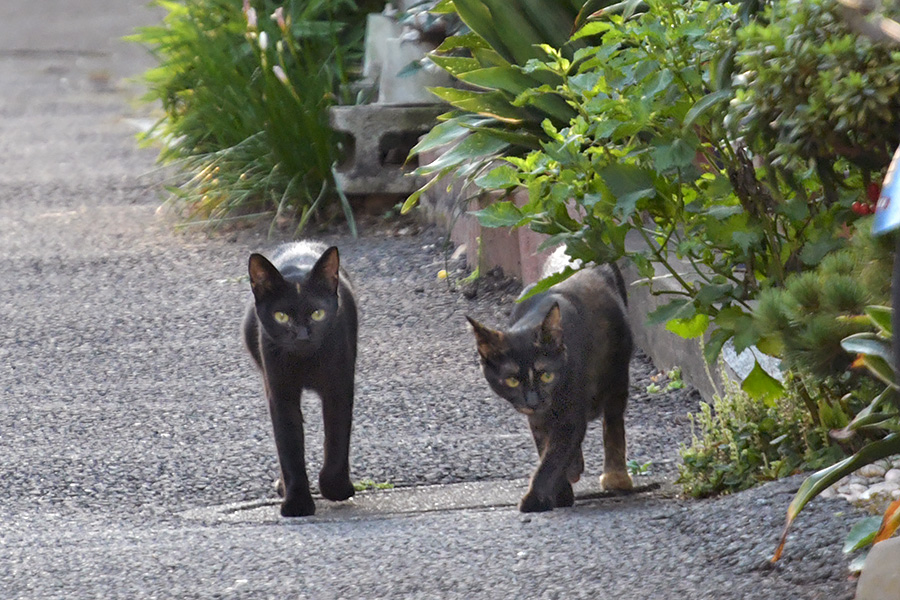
{"type": "Point", "coordinates": [551, 329]}
{"type": "Point", "coordinates": [489, 341]}
{"type": "Point", "coordinates": [327, 270]}
{"type": "Point", "coordinates": [264, 277]}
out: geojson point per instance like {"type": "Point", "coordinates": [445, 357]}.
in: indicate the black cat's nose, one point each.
{"type": "Point", "coordinates": [301, 334]}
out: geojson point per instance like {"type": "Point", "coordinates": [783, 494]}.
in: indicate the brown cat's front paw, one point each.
{"type": "Point", "coordinates": [565, 496]}
{"type": "Point", "coordinates": [532, 503]}
{"type": "Point", "coordinates": [302, 506]}
{"type": "Point", "coordinates": [336, 488]}
{"type": "Point", "coordinates": [616, 480]}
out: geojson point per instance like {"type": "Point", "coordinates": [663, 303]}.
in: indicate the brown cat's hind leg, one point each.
{"type": "Point", "coordinates": [615, 473]}
{"type": "Point", "coordinates": [575, 468]}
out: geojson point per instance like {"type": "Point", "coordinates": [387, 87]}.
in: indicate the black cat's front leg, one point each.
{"type": "Point", "coordinates": [287, 425]}
{"type": "Point", "coordinates": [337, 413]}
{"type": "Point", "coordinates": [549, 485]}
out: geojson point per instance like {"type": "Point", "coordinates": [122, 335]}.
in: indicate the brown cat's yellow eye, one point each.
{"type": "Point", "coordinates": [280, 317]}
{"type": "Point", "coordinates": [317, 315]}
{"type": "Point", "coordinates": [511, 382]}
{"type": "Point", "coordinates": [548, 377]}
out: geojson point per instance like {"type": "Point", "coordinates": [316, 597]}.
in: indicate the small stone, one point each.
{"type": "Point", "coordinates": [895, 494]}
{"type": "Point", "coordinates": [872, 470]}
{"type": "Point", "coordinates": [856, 489]}
{"type": "Point", "coordinates": [829, 493]}
{"type": "Point", "coordinates": [892, 476]}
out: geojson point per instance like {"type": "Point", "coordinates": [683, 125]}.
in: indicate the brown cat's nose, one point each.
{"type": "Point", "coordinates": [532, 400]}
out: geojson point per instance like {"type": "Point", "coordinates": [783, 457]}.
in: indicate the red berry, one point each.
{"type": "Point", "coordinates": [873, 191]}
{"type": "Point", "coordinates": [858, 208]}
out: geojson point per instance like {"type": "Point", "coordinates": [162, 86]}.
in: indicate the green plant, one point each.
{"type": "Point", "coordinates": [245, 96]}
{"type": "Point", "coordinates": [648, 156]}
{"type": "Point", "coordinates": [738, 442]}
{"type": "Point", "coordinates": [500, 109]}
{"type": "Point", "coordinates": [809, 317]}
{"type": "Point", "coordinates": [639, 469]}
{"type": "Point", "coordinates": [813, 89]}
{"type": "Point", "coordinates": [674, 382]}
{"type": "Point", "coordinates": [370, 484]}
{"type": "Point", "coordinates": [881, 418]}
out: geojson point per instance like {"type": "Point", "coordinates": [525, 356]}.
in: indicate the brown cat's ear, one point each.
{"type": "Point", "coordinates": [489, 341]}
{"type": "Point", "coordinates": [551, 329]}
{"type": "Point", "coordinates": [327, 270]}
{"type": "Point", "coordinates": [264, 277]}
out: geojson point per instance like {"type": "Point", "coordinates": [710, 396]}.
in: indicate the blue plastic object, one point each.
{"type": "Point", "coordinates": [887, 211]}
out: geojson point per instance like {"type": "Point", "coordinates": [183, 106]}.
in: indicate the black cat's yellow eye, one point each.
{"type": "Point", "coordinates": [511, 382]}
{"type": "Point", "coordinates": [317, 315]}
{"type": "Point", "coordinates": [548, 377]}
{"type": "Point", "coordinates": [280, 317]}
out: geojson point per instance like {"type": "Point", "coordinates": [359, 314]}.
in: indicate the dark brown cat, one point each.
{"type": "Point", "coordinates": [563, 361]}
{"type": "Point", "coordinates": [301, 331]}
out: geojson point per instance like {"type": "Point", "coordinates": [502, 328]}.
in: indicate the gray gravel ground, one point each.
{"type": "Point", "coordinates": [127, 399]}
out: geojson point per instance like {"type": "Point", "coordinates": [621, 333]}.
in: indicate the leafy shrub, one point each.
{"type": "Point", "coordinates": [501, 104]}
{"type": "Point", "coordinates": [649, 155]}
{"type": "Point", "coordinates": [813, 89]}
{"type": "Point", "coordinates": [739, 442]}
{"type": "Point", "coordinates": [245, 97]}
{"type": "Point", "coordinates": [809, 317]}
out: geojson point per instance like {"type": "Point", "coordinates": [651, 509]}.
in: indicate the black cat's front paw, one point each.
{"type": "Point", "coordinates": [531, 502]}
{"type": "Point", "coordinates": [302, 506]}
{"type": "Point", "coordinates": [336, 488]}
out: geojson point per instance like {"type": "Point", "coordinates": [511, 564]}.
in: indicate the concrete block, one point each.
{"type": "Point", "coordinates": [410, 87]}
{"type": "Point", "coordinates": [382, 138]}
{"type": "Point", "coordinates": [880, 579]}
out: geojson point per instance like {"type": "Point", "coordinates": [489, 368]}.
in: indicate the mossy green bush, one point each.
{"type": "Point", "coordinates": [738, 442]}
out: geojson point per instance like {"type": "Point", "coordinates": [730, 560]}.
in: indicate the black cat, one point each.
{"type": "Point", "coordinates": [301, 331]}
{"type": "Point", "coordinates": [563, 361]}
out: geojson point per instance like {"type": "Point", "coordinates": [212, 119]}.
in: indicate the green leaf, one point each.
{"type": "Point", "coordinates": [448, 132]}
{"type": "Point", "coordinates": [704, 104]}
{"type": "Point", "coordinates": [498, 214]}
{"type": "Point", "coordinates": [689, 328]}
{"type": "Point", "coordinates": [881, 316]}
{"type": "Point", "coordinates": [677, 154]}
{"type": "Point", "coordinates": [772, 345]}
{"type": "Point", "coordinates": [508, 79]}
{"type": "Point", "coordinates": [759, 385]}
{"type": "Point", "coordinates": [861, 534]}
{"type": "Point", "coordinates": [713, 346]}
{"type": "Point", "coordinates": [713, 293]}
{"type": "Point", "coordinates": [456, 65]}
{"type": "Point", "coordinates": [476, 146]}
{"type": "Point", "coordinates": [676, 309]}
{"type": "Point", "coordinates": [868, 344]}
{"type": "Point", "coordinates": [492, 104]}
{"type": "Point", "coordinates": [501, 177]}
{"type": "Point", "coordinates": [813, 252]}
{"type": "Point", "coordinates": [546, 283]}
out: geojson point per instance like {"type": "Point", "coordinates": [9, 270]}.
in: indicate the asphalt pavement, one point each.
{"type": "Point", "coordinates": [136, 459]}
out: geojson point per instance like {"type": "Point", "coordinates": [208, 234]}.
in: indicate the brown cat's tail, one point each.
{"type": "Point", "coordinates": [620, 282]}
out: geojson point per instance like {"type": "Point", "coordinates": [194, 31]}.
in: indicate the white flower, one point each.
{"type": "Point", "coordinates": [251, 17]}
{"type": "Point", "coordinates": [263, 41]}
{"type": "Point", "coordinates": [280, 74]}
